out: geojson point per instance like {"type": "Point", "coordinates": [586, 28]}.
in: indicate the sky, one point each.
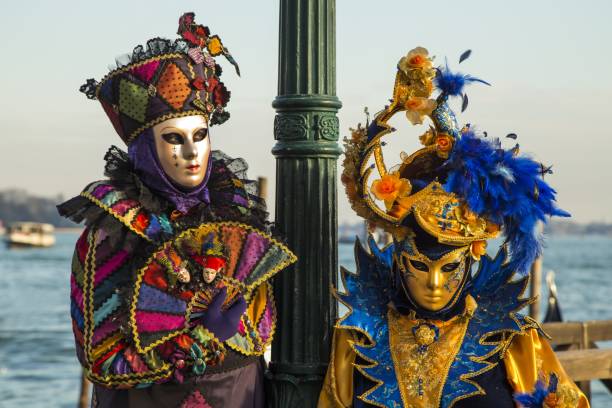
{"type": "Point", "coordinates": [550, 64]}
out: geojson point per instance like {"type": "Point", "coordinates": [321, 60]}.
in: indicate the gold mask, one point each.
{"type": "Point", "coordinates": [432, 284]}
{"type": "Point", "coordinates": [183, 149]}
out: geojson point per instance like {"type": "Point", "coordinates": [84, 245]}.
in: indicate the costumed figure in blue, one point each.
{"type": "Point", "coordinates": [432, 320]}
{"type": "Point", "coordinates": [171, 303]}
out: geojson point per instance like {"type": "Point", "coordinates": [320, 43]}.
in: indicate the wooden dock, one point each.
{"type": "Point", "coordinates": [578, 352]}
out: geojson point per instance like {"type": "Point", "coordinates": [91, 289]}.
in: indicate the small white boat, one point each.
{"type": "Point", "coordinates": [30, 234]}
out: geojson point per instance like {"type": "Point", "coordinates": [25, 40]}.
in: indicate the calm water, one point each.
{"type": "Point", "coordinates": [37, 363]}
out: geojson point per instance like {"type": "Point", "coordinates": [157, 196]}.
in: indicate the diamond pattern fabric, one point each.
{"type": "Point", "coordinates": [133, 100]}
{"type": "Point", "coordinates": [145, 72]}
{"type": "Point", "coordinates": [173, 86]}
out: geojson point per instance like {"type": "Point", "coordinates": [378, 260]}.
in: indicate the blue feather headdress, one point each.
{"type": "Point", "coordinates": [497, 184]}
{"type": "Point", "coordinates": [460, 188]}
{"type": "Point", "coordinates": [505, 188]}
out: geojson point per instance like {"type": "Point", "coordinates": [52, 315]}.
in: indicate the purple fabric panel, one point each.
{"type": "Point", "coordinates": [145, 72]}
{"type": "Point", "coordinates": [154, 300]}
{"type": "Point", "coordinates": [157, 107]}
{"type": "Point", "coordinates": [120, 366]}
{"type": "Point", "coordinates": [100, 191]}
{"type": "Point", "coordinates": [103, 331]}
{"type": "Point", "coordinates": [242, 387]}
{"type": "Point", "coordinates": [238, 199]}
{"type": "Point", "coordinates": [143, 155]}
{"type": "Point", "coordinates": [252, 251]}
{"type": "Point", "coordinates": [265, 325]}
{"type": "Point", "coordinates": [105, 249]}
{"type": "Point", "coordinates": [148, 322]}
{"type": "Point", "coordinates": [110, 266]}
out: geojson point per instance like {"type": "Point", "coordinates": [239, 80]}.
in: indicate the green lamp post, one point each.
{"type": "Point", "coordinates": [306, 131]}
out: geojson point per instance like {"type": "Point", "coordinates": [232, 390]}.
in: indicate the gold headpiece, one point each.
{"type": "Point", "coordinates": [438, 212]}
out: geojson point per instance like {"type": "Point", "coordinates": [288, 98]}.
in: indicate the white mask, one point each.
{"type": "Point", "coordinates": [183, 148]}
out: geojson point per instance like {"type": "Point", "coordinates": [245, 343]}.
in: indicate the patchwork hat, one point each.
{"type": "Point", "coordinates": [165, 79]}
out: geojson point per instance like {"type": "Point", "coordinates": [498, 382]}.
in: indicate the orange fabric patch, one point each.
{"type": "Point", "coordinates": [233, 237]}
{"type": "Point", "coordinates": [141, 222]}
{"type": "Point", "coordinates": [155, 276]}
{"type": "Point", "coordinates": [173, 86]}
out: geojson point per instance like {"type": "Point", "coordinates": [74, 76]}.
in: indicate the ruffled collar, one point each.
{"type": "Point", "coordinates": [231, 195]}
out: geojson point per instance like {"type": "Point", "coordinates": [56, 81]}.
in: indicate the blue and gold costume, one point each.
{"type": "Point", "coordinates": [421, 329]}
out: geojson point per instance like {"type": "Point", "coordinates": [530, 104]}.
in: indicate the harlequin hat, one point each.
{"type": "Point", "coordinates": [460, 188]}
{"type": "Point", "coordinates": [165, 79]}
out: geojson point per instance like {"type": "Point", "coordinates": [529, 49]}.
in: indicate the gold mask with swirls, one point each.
{"type": "Point", "coordinates": [433, 284]}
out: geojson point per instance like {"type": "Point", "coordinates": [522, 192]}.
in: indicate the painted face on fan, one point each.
{"type": "Point", "coordinates": [183, 149]}
{"type": "Point", "coordinates": [433, 283]}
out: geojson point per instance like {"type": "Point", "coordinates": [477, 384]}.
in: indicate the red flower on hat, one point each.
{"type": "Point", "coordinates": [212, 84]}
{"type": "Point", "coordinates": [199, 83]}
{"type": "Point", "coordinates": [220, 95]}
{"type": "Point", "coordinates": [191, 37]}
{"type": "Point", "coordinates": [202, 32]}
{"type": "Point", "coordinates": [194, 34]}
{"type": "Point", "coordinates": [185, 22]}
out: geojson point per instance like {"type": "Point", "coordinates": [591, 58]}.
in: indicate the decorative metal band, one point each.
{"type": "Point", "coordinates": [328, 127]}
{"type": "Point", "coordinates": [291, 126]}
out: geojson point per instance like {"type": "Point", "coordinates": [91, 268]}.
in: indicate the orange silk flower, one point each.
{"type": "Point", "coordinates": [390, 187]}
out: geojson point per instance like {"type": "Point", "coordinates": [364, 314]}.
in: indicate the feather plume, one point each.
{"type": "Point", "coordinates": [505, 188]}
{"type": "Point", "coordinates": [452, 83]}
{"type": "Point", "coordinates": [466, 54]}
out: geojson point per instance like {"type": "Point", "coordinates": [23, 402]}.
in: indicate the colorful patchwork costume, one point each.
{"type": "Point", "coordinates": [399, 345]}
{"type": "Point", "coordinates": [159, 272]}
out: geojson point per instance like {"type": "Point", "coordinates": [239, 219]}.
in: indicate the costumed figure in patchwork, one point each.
{"type": "Point", "coordinates": [171, 304]}
{"type": "Point", "coordinates": [425, 327]}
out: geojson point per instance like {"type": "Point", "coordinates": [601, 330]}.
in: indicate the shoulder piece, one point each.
{"type": "Point", "coordinates": [116, 202]}
{"type": "Point", "coordinates": [367, 296]}
{"type": "Point", "coordinates": [491, 329]}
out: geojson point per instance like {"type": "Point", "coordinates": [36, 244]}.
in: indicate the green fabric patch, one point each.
{"type": "Point", "coordinates": [133, 100]}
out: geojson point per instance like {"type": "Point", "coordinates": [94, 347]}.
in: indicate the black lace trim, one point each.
{"type": "Point", "coordinates": [223, 206]}
{"type": "Point", "coordinates": [154, 47]}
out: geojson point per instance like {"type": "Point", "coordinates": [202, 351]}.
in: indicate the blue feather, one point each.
{"type": "Point", "coordinates": [452, 83]}
{"type": "Point", "coordinates": [505, 188]}
{"type": "Point", "coordinates": [538, 396]}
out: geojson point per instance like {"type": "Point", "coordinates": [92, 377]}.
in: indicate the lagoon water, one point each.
{"type": "Point", "coordinates": [38, 367]}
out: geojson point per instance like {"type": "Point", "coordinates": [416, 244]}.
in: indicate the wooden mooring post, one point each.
{"type": "Point", "coordinates": [84, 391]}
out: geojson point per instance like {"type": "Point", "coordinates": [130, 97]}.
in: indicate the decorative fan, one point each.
{"type": "Point", "coordinates": [176, 285]}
